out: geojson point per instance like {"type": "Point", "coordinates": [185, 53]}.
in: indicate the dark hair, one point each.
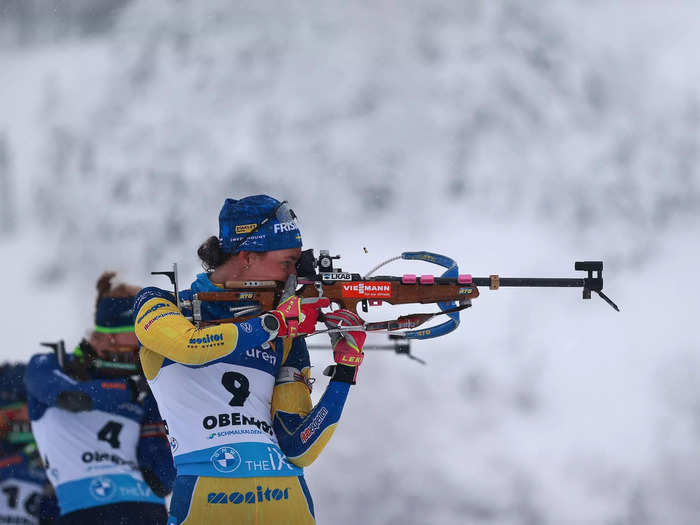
{"type": "Point", "coordinates": [106, 289]}
{"type": "Point", "coordinates": [212, 255]}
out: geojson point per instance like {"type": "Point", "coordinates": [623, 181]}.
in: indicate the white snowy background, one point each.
{"type": "Point", "coordinates": [514, 136]}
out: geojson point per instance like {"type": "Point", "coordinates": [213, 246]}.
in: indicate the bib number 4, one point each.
{"type": "Point", "coordinates": [110, 433]}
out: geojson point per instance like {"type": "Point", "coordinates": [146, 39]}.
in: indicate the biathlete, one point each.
{"type": "Point", "coordinates": [25, 494]}
{"type": "Point", "coordinates": [236, 395]}
{"type": "Point", "coordinates": [100, 435]}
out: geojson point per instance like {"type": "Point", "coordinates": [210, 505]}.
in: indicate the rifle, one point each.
{"type": "Point", "coordinates": [316, 276]}
{"type": "Point", "coordinates": [80, 368]}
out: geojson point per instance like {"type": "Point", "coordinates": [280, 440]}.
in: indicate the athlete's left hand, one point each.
{"type": "Point", "coordinates": [347, 345]}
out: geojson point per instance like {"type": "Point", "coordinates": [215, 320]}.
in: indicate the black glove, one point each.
{"type": "Point", "coordinates": [74, 401]}
{"type": "Point", "coordinates": [139, 388]}
{"type": "Point", "coordinates": [342, 373]}
{"type": "Point", "coordinates": [159, 488]}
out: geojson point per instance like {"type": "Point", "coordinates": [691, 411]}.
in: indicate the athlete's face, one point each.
{"type": "Point", "coordinates": [115, 347]}
{"type": "Point", "coordinates": [276, 265]}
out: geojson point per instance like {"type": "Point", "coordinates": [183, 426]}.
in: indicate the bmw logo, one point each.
{"type": "Point", "coordinates": [226, 459]}
{"type": "Point", "coordinates": [102, 488]}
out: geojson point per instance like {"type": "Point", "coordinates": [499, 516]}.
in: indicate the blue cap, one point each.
{"type": "Point", "coordinates": [114, 315]}
{"type": "Point", "coordinates": [258, 223]}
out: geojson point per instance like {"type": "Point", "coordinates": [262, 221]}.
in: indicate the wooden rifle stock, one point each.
{"type": "Point", "coordinates": [345, 294]}
{"type": "Point", "coordinates": [348, 294]}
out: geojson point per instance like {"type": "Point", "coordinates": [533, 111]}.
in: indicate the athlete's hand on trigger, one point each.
{"type": "Point", "coordinates": [298, 316]}
{"type": "Point", "coordinates": [347, 345]}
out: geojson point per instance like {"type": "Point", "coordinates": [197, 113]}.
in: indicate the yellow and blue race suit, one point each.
{"type": "Point", "coordinates": [239, 411]}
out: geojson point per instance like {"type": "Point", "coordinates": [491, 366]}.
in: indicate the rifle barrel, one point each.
{"type": "Point", "coordinates": [534, 281]}
{"type": "Point", "coordinates": [590, 283]}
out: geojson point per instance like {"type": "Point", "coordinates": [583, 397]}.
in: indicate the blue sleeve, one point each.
{"type": "Point", "coordinates": [302, 435]}
{"type": "Point", "coordinates": [49, 510]}
{"type": "Point", "coordinates": [298, 435]}
{"type": "Point", "coordinates": [45, 381]}
{"type": "Point", "coordinates": [153, 452]}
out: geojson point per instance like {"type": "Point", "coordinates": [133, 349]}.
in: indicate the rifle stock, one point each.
{"type": "Point", "coordinates": [346, 294]}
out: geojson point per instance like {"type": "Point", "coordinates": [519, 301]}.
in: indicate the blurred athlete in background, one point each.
{"type": "Point", "coordinates": [99, 432]}
{"type": "Point", "coordinates": [236, 395]}
{"type": "Point", "coordinates": [26, 497]}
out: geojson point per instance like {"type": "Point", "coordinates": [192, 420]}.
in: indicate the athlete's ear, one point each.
{"type": "Point", "coordinates": [244, 258]}
{"type": "Point", "coordinates": [252, 258]}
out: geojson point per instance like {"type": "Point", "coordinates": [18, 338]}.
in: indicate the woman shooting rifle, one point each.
{"type": "Point", "coordinates": [236, 395]}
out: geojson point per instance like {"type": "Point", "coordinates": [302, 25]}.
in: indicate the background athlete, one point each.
{"type": "Point", "coordinates": [99, 432]}
{"type": "Point", "coordinates": [236, 395]}
{"type": "Point", "coordinates": [25, 494]}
